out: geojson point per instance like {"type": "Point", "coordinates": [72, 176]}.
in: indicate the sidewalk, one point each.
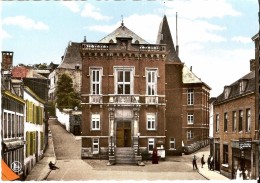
{"type": "Point", "coordinates": [205, 172]}
{"type": "Point", "coordinates": [41, 170]}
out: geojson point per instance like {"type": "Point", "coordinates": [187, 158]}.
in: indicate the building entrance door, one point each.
{"type": "Point", "coordinates": [123, 134]}
{"type": "Point", "coordinates": [217, 157]}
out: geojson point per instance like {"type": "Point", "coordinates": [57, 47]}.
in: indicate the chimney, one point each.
{"type": "Point", "coordinates": [62, 58]}
{"type": "Point", "coordinates": [7, 60]}
{"type": "Point", "coordinates": [85, 40]}
{"type": "Point", "coordinates": [252, 65]}
{"type": "Point", "coordinates": [191, 68]}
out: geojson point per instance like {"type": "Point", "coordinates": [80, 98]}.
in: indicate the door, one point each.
{"type": "Point", "coordinates": [123, 134]}
{"type": "Point", "coordinates": [217, 157]}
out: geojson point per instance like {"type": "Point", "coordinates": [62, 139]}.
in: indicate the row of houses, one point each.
{"type": "Point", "coordinates": [24, 123]}
{"type": "Point", "coordinates": [235, 119]}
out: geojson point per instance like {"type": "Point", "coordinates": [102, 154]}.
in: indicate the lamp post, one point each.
{"type": "Point", "coordinates": [138, 149]}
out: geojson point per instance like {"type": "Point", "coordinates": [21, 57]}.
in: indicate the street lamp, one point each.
{"type": "Point", "coordinates": [138, 149]}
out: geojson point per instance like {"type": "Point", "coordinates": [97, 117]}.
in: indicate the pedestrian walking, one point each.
{"type": "Point", "coordinates": [194, 162]}
{"type": "Point", "coordinates": [202, 161]}
{"type": "Point", "coordinates": [208, 162]}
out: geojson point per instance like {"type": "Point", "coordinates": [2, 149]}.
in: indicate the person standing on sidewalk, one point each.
{"type": "Point", "coordinates": [194, 162]}
{"type": "Point", "coordinates": [208, 161]}
{"type": "Point", "coordinates": [202, 161]}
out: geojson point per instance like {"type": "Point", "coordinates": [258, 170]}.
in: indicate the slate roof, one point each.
{"type": "Point", "coordinates": [122, 32]}
{"type": "Point", "coordinates": [71, 57]}
{"type": "Point", "coordinates": [164, 37]}
{"type": "Point", "coordinates": [235, 90]}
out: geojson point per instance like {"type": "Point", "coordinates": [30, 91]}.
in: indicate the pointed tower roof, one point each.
{"type": "Point", "coordinates": [122, 32]}
{"type": "Point", "coordinates": [165, 37]}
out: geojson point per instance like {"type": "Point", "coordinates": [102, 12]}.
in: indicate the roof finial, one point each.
{"type": "Point", "coordinates": [122, 24]}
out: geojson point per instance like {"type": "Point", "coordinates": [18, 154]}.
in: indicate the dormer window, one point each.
{"type": "Point", "coordinates": [226, 92]}
{"type": "Point", "coordinates": [242, 86]}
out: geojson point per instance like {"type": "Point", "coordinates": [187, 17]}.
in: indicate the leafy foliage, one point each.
{"type": "Point", "coordinates": [66, 96]}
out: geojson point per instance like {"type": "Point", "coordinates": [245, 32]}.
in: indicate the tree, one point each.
{"type": "Point", "coordinates": [66, 96]}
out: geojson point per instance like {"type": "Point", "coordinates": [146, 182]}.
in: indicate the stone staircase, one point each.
{"type": "Point", "coordinates": [125, 155]}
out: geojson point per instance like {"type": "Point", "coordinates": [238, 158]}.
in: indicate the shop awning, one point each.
{"type": "Point", "coordinates": [7, 173]}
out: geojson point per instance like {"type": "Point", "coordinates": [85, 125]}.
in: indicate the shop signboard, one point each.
{"type": "Point", "coordinates": [245, 143]}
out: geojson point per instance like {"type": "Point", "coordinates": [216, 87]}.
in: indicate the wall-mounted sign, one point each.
{"type": "Point", "coordinates": [245, 143]}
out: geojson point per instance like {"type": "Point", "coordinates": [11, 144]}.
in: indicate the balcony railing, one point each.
{"type": "Point", "coordinates": [124, 99]}
{"type": "Point", "coordinates": [95, 99]}
{"type": "Point", "coordinates": [151, 100]}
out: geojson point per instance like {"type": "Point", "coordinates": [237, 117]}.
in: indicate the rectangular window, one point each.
{"type": "Point", "coordinates": [172, 143]}
{"type": "Point", "coordinates": [225, 121]}
{"type": "Point", "coordinates": [190, 118]}
{"type": "Point", "coordinates": [189, 134]}
{"type": "Point", "coordinates": [95, 121]}
{"type": "Point", "coordinates": [150, 145]}
{"type": "Point", "coordinates": [5, 125]}
{"type": "Point", "coordinates": [9, 126]}
{"type": "Point", "coordinates": [190, 97]}
{"type": "Point", "coordinates": [151, 81]}
{"type": "Point", "coordinates": [96, 77]}
{"type": "Point", "coordinates": [95, 146]}
{"type": "Point", "coordinates": [240, 121]}
{"type": "Point", "coordinates": [248, 120]}
{"type": "Point", "coordinates": [225, 154]}
{"type": "Point", "coordinates": [151, 121]}
{"type": "Point", "coordinates": [217, 122]}
{"type": "Point", "coordinates": [234, 121]}
{"type": "Point", "coordinates": [124, 80]}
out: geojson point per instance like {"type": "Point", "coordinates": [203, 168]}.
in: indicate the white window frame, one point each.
{"type": "Point", "coordinates": [217, 122]}
{"type": "Point", "coordinates": [151, 81]}
{"type": "Point", "coordinates": [190, 134]}
{"type": "Point", "coordinates": [234, 121]}
{"type": "Point", "coordinates": [96, 80]}
{"type": "Point", "coordinates": [172, 141]}
{"type": "Point", "coordinates": [226, 92]}
{"type": "Point", "coordinates": [116, 83]}
{"type": "Point", "coordinates": [95, 122]}
{"type": "Point", "coordinates": [95, 145]}
{"type": "Point", "coordinates": [151, 121]}
{"type": "Point", "coordinates": [190, 96]}
{"type": "Point", "coordinates": [248, 120]}
{"type": "Point", "coordinates": [151, 143]}
{"type": "Point", "coordinates": [242, 86]}
{"type": "Point", "coordinates": [190, 118]}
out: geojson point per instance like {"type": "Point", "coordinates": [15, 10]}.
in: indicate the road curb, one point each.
{"type": "Point", "coordinates": [203, 175]}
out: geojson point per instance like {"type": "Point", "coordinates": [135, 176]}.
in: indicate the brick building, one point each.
{"type": "Point", "coordinates": [235, 125]}
{"type": "Point", "coordinates": [137, 96]}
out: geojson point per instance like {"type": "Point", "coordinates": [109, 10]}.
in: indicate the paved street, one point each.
{"type": "Point", "coordinates": [67, 150]}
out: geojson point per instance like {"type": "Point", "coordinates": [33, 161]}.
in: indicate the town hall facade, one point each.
{"type": "Point", "coordinates": [138, 96]}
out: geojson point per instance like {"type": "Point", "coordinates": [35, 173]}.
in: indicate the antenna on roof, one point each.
{"type": "Point", "coordinates": [164, 7]}
{"type": "Point", "coordinates": [177, 46]}
{"type": "Point", "coordinates": [122, 24]}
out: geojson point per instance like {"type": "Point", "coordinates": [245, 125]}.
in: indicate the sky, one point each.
{"type": "Point", "coordinates": [214, 36]}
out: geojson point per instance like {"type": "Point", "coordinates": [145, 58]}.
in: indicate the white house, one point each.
{"type": "Point", "coordinates": [33, 129]}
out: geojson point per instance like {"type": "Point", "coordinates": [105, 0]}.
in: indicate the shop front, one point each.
{"type": "Point", "coordinates": [243, 160]}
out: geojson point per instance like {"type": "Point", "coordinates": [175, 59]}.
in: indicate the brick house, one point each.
{"type": "Point", "coordinates": [235, 125]}
{"type": "Point", "coordinates": [137, 96]}
{"type": "Point", "coordinates": [71, 63]}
